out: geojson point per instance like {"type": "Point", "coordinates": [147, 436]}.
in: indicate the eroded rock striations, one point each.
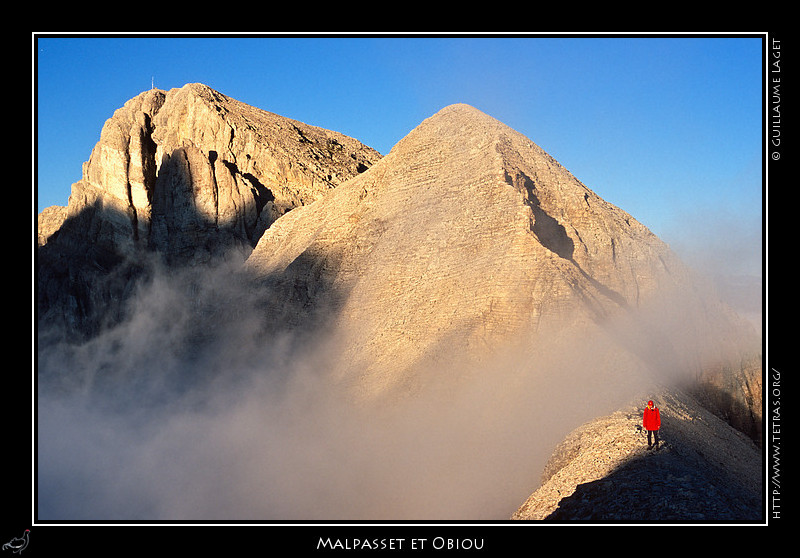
{"type": "Point", "coordinates": [188, 174]}
{"type": "Point", "coordinates": [467, 235]}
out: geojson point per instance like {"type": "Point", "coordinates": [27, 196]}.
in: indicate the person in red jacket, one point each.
{"type": "Point", "coordinates": [651, 420]}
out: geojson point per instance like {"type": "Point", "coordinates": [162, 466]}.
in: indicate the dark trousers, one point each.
{"type": "Point", "coordinates": [652, 434]}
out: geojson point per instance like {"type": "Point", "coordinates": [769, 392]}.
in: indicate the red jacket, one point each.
{"type": "Point", "coordinates": [652, 417]}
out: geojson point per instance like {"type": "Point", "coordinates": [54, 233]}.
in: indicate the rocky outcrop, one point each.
{"type": "Point", "coordinates": [732, 390]}
{"type": "Point", "coordinates": [189, 175]}
{"type": "Point", "coordinates": [48, 222]}
{"type": "Point", "coordinates": [704, 470]}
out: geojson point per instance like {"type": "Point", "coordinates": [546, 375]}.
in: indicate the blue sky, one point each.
{"type": "Point", "coordinates": [666, 128]}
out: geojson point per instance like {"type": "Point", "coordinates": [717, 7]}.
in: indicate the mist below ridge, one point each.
{"type": "Point", "coordinates": [196, 407]}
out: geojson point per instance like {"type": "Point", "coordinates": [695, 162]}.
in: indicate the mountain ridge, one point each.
{"type": "Point", "coordinates": [603, 471]}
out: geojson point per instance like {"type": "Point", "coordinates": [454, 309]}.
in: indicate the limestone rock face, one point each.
{"type": "Point", "coordinates": [465, 235]}
{"type": "Point", "coordinates": [190, 175]}
{"type": "Point", "coordinates": [174, 169]}
{"type": "Point", "coordinates": [48, 222]}
{"type": "Point", "coordinates": [245, 167]}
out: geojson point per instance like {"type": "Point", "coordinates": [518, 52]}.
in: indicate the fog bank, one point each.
{"type": "Point", "coordinates": [196, 408]}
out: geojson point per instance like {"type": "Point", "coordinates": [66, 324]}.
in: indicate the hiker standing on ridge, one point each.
{"type": "Point", "coordinates": [651, 420]}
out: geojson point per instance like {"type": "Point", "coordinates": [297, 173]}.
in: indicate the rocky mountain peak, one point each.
{"type": "Point", "coordinates": [189, 175]}
{"type": "Point", "coordinates": [465, 235]}
{"type": "Point", "coordinates": [244, 159]}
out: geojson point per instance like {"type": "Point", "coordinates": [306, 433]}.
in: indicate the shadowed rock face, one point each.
{"type": "Point", "coordinates": [188, 175]}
